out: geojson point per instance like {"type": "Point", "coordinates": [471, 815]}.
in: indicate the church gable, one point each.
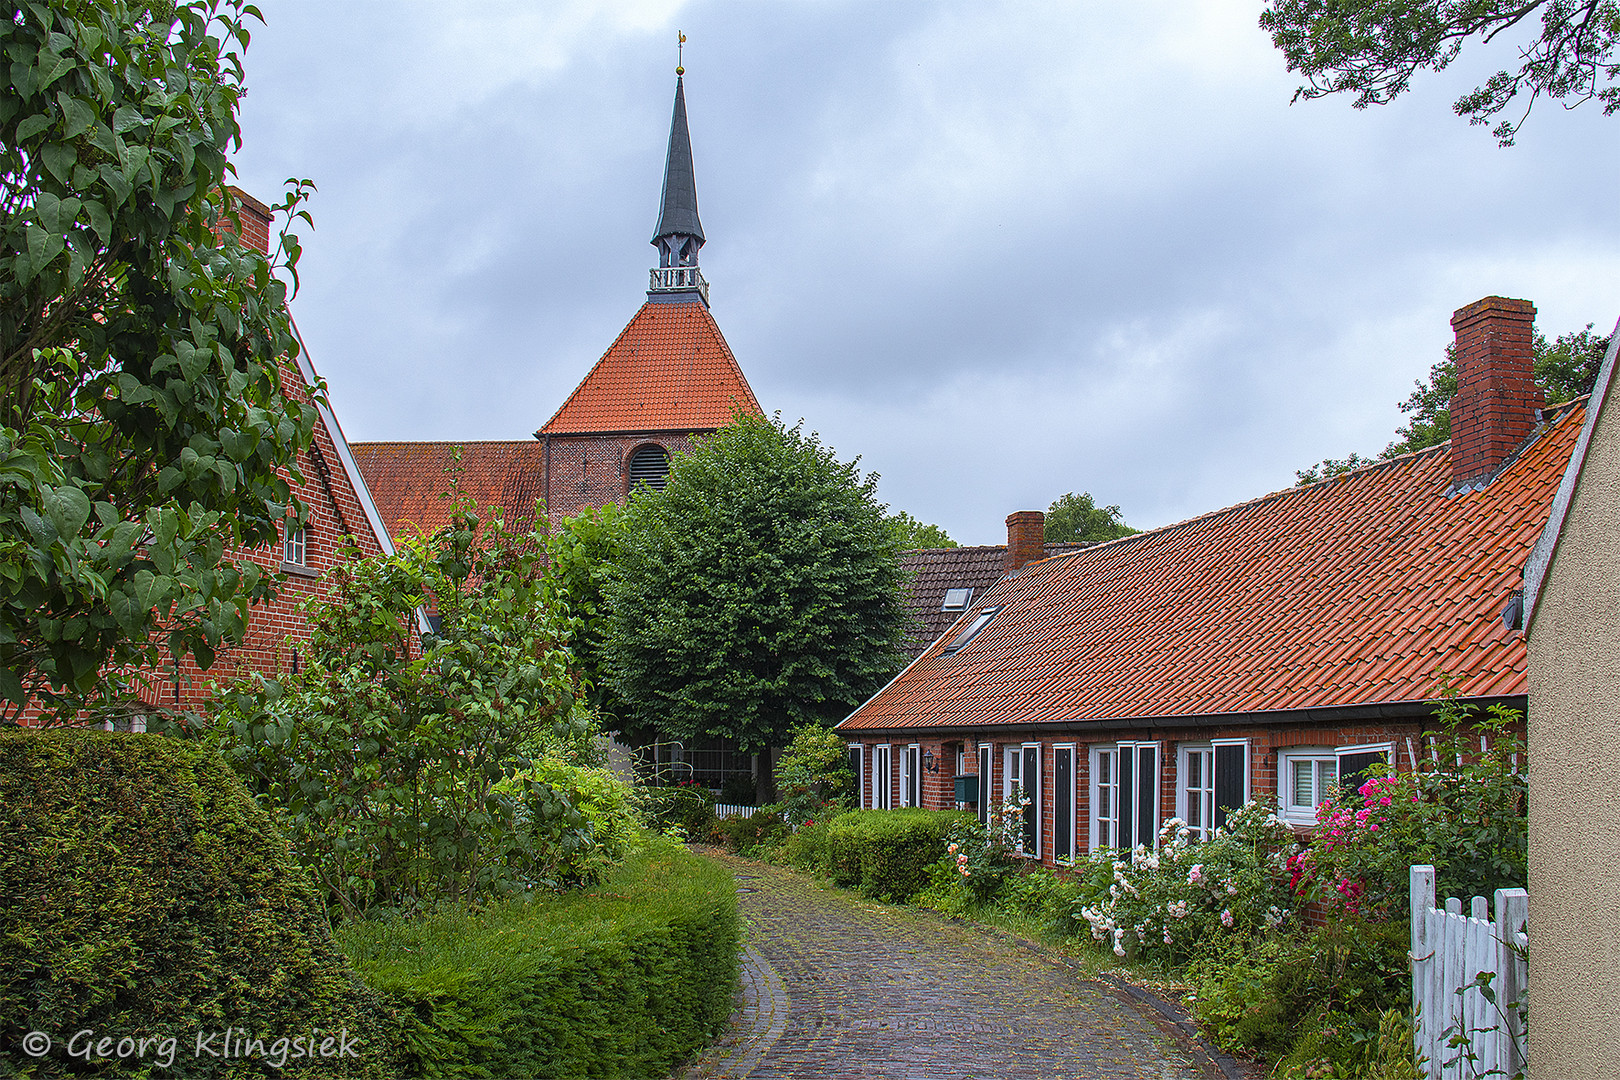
{"type": "Point", "coordinates": [669, 370]}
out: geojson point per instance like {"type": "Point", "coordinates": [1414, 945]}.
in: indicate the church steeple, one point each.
{"type": "Point", "coordinates": [679, 234]}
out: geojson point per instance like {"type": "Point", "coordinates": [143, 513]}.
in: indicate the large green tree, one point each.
{"type": "Point", "coordinates": [911, 533]}
{"type": "Point", "coordinates": [145, 435]}
{"type": "Point", "coordinates": [1565, 369]}
{"type": "Point", "coordinates": [1078, 519]}
{"type": "Point", "coordinates": [1371, 49]}
{"type": "Point", "coordinates": [759, 590]}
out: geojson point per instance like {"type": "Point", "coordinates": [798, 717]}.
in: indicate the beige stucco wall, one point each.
{"type": "Point", "coordinates": [1574, 752]}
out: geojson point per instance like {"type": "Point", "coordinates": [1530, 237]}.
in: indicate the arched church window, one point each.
{"type": "Point", "coordinates": [648, 465]}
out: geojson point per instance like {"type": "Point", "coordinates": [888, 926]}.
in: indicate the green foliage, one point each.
{"type": "Point", "coordinates": [755, 835]}
{"type": "Point", "coordinates": [1371, 48]}
{"type": "Point", "coordinates": [145, 430]}
{"type": "Point", "coordinates": [1463, 811]}
{"type": "Point", "coordinates": [625, 980]}
{"type": "Point", "coordinates": [146, 893]}
{"type": "Point", "coordinates": [807, 847]}
{"type": "Point", "coordinates": [686, 806]}
{"type": "Point", "coordinates": [980, 856]}
{"type": "Point", "coordinates": [405, 779]}
{"type": "Point", "coordinates": [758, 591]}
{"type": "Point", "coordinates": [887, 853]}
{"type": "Point", "coordinates": [1078, 519]}
{"type": "Point", "coordinates": [604, 801]}
{"type": "Point", "coordinates": [1158, 903]}
{"type": "Point", "coordinates": [910, 534]}
{"type": "Point", "coordinates": [580, 553]}
{"type": "Point", "coordinates": [1565, 369]}
{"type": "Point", "coordinates": [1311, 999]}
{"type": "Point", "coordinates": [813, 773]}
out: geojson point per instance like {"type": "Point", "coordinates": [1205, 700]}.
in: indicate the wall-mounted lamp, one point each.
{"type": "Point", "coordinates": [930, 763]}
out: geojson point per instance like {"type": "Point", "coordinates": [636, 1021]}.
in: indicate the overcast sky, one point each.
{"type": "Point", "coordinates": [1001, 252]}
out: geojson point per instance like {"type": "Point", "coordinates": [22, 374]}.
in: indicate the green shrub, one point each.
{"type": "Point", "coordinates": [813, 774]}
{"type": "Point", "coordinates": [147, 894]}
{"type": "Point", "coordinates": [623, 980]}
{"type": "Point", "coordinates": [887, 853]}
{"type": "Point", "coordinates": [755, 835]}
{"type": "Point", "coordinates": [601, 798]}
{"type": "Point", "coordinates": [1307, 997]}
{"type": "Point", "coordinates": [685, 806]}
{"type": "Point", "coordinates": [807, 847]}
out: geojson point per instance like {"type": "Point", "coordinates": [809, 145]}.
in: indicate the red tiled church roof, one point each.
{"type": "Point", "coordinates": [669, 370]}
{"type": "Point", "coordinates": [408, 480]}
{"type": "Point", "coordinates": [1355, 591]}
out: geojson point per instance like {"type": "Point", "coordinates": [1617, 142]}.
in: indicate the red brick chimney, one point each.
{"type": "Point", "coordinates": [1497, 396]}
{"type": "Point", "coordinates": [1026, 539]}
{"type": "Point", "coordinates": [255, 221]}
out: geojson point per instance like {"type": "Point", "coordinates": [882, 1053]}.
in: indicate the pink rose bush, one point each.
{"type": "Point", "coordinates": [1156, 902]}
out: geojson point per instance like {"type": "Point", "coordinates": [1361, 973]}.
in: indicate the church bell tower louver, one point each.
{"type": "Point", "coordinates": [679, 234]}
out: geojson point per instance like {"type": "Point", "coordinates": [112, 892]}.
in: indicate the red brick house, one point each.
{"type": "Point", "coordinates": [668, 378]}
{"type": "Point", "coordinates": [1276, 647]}
{"type": "Point", "coordinates": [341, 514]}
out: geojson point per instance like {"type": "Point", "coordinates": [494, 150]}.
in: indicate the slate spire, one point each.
{"type": "Point", "coordinates": [679, 233]}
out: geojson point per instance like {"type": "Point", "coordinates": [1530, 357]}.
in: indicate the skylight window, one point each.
{"type": "Point", "coordinates": [979, 622]}
{"type": "Point", "coordinates": [956, 599]}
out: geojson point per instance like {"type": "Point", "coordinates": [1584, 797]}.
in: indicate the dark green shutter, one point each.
{"type": "Point", "coordinates": [1032, 792]}
{"type": "Point", "coordinates": [1062, 808]}
{"type": "Point", "coordinates": [1147, 793]}
{"type": "Point", "coordinates": [1353, 770]}
{"type": "Point", "coordinates": [1127, 801]}
{"type": "Point", "coordinates": [1231, 772]}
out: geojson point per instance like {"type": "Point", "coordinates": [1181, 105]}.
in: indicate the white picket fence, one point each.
{"type": "Point", "coordinates": [733, 810]}
{"type": "Point", "coordinates": [1449, 951]}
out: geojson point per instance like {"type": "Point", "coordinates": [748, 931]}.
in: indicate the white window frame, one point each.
{"type": "Point", "coordinates": [910, 764]}
{"type": "Point", "coordinates": [860, 772]}
{"type": "Point", "coordinates": [1112, 752]}
{"type": "Point", "coordinates": [1100, 754]}
{"type": "Point", "coordinates": [1205, 794]}
{"type": "Point", "coordinates": [883, 767]}
{"type": "Point", "coordinates": [1297, 814]}
{"type": "Point", "coordinates": [1074, 802]}
{"type": "Point", "coordinates": [295, 542]}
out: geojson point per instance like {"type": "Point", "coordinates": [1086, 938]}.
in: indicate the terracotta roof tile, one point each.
{"type": "Point", "coordinates": [408, 480]}
{"type": "Point", "coordinates": [931, 572]}
{"type": "Point", "coordinates": [1354, 591]}
{"type": "Point", "coordinates": [669, 370]}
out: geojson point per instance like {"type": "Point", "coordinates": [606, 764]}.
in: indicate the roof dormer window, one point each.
{"type": "Point", "coordinates": [979, 622]}
{"type": "Point", "coordinates": [956, 599]}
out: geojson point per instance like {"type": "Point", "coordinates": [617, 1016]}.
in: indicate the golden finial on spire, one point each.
{"type": "Point", "coordinates": [680, 54]}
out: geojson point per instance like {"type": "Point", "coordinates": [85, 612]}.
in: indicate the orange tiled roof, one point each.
{"type": "Point", "coordinates": [932, 571]}
{"type": "Point", "coordinates": [1350, 592]}
{"type": "Point", "coordinates": [669, 370]}
{"type": "Point", "coordinates": [407, 480]}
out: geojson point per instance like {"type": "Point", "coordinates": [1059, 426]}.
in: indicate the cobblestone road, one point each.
{"type": "Point", "coordinates": [835, 986]}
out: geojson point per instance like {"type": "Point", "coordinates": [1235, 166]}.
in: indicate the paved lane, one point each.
{"type": "Point", "coordinates": [836, 986]}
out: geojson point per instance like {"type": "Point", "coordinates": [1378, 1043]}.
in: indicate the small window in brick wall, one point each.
{"type": "Point", "coordinates": [295, 552]}
{"type": "Point", "coordinates": [649, 465]}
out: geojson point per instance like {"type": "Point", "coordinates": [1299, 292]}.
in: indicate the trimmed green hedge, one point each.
{"type": "Point", "coordinates": [146, 894]}
{"type": "Point", "coordinates": [625, 979]}
{"type": "Point", "coordinates": [887, 853]}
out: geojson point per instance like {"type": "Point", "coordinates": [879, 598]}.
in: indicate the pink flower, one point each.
{"type": "Point", "coordinates": [952, 848]}
{"type": "Point", "coordinates": [1226, 918]}
{"type": "Point", "coordinates": [1196, 874]}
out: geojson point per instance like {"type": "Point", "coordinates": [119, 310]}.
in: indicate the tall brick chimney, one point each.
{"type": "Point", "coordinates": [255, 221]}
{"type": "Point", "coordinates": [1026, 539]}
{"type": "Point", "coordinates": [1497, 396]}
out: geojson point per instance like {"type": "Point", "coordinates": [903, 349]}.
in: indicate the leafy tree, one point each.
{"type": "Point", "coordinates": [1371, 49]}
{"type": "Point", "coordinates": [580, 554]}
{"type": "Point", "coordinates": [1565, 368]}
{"type": "Point", "coordinates": [404, 777]}
{"type": "Point", "coordinates": [813, 773]}
{"type": "Point", "coordinates": [758, 591]}
{"type": "Point", "coordinates": [1078, 519]}
{"type": "Point", "coordinates": [911, 534]}
{"type": "Point", "coordinates": [145, 432]}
